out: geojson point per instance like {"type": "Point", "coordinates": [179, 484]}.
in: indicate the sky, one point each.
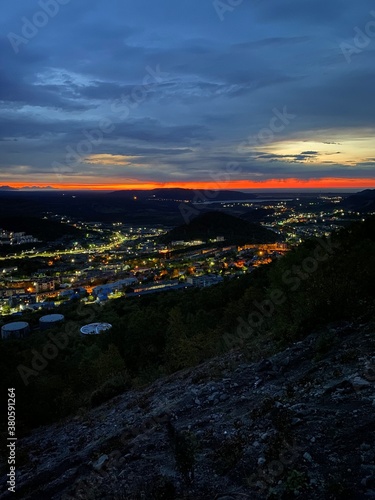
{"type": "Point", "coordinates": [240, 94]}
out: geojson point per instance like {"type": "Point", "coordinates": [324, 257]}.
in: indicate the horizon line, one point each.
{"type": "Point", "coordinates": [325, 184]}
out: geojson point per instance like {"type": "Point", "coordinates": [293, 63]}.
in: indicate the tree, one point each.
{"type": "Point", "coordinates": [7, 309]}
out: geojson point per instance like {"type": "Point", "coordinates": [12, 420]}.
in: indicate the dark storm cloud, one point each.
{"type": "Point", "coordinates": [181, 89]}
{"type": "Point", "coordinates": [304, 156]}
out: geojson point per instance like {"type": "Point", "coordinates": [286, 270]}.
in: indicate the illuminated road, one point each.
{"type": "Point", "coordinates": [98, 249]}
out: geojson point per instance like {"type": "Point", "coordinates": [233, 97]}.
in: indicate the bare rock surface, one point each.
{"type": "Point", "coordinates": [299, 424]}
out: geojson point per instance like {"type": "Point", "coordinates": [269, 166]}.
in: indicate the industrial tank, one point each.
{"type": "Point", "coordinates": [50, 321]}
{"type": "Point", "coordinates": [16, 330]}
{"type": "Point", "coordinates": [95, 328]}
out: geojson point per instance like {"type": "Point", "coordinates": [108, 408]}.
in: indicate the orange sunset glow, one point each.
{"type": "Point", "coordinates": [289, 183]}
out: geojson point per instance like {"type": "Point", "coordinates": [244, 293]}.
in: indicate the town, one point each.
{"type": "Point", "coordinates": [114, 260]}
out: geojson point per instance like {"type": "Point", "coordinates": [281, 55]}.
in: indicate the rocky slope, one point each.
{"type": "Point", "coordinates": [297, 425]}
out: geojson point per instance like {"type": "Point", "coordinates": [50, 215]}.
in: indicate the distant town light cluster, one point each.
{"type": "Point", "coordinates": [113, 260]}
{"type": "Point", "coordinates": [13, 238]}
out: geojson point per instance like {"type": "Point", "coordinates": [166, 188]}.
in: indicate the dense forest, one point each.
{"type": "Point", "coordinates": [317, 283]}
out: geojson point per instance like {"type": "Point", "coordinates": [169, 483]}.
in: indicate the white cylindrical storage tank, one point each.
{"type": "Point", "coordinates": [16, 330]}
{"type": "Point", "coordinates": [50, 321]}
{"type": "Point", "coordinates": [95, 328]}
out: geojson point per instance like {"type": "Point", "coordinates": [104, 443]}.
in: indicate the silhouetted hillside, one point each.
{"type": "Point", "coordinates": [212, 224]}
{"type": "Point", "coordinates": [39, 228]}
{"type": "Point", "coordinates": [363, 201]}
{"type": "Point", "coordinates": [257, 215]}
{"type": "Point", "coordinates": [187, 195]}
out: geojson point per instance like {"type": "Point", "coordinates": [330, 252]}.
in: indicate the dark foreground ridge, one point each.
{"type": "Point", "coordinates": [212, 224]}
{"type": "Point", "coordinates": [297, 425]}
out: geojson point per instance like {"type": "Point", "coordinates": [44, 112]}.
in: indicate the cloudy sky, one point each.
{"type": "Point", "coordinates": [229, 93]}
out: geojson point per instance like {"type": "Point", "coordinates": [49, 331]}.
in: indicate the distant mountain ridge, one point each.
{"type": "Point", "coordinates": [362, 201]}
{"type": "Point", "coordinates": [28, 188]}
{"type": "Point", "coordinates": [212, 224]}
{"type": "Point", "coordinates": [188, 195]}
{"type": "Point", "coordinates": [38, 188]}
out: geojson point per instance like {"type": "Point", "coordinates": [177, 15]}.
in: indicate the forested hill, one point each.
{"type": "Point", "coordinates": [38, 227]}
{"type": "Point", "coordinates": [212, 224]}
{"type": "Point", "coordinates": [363, 201]}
